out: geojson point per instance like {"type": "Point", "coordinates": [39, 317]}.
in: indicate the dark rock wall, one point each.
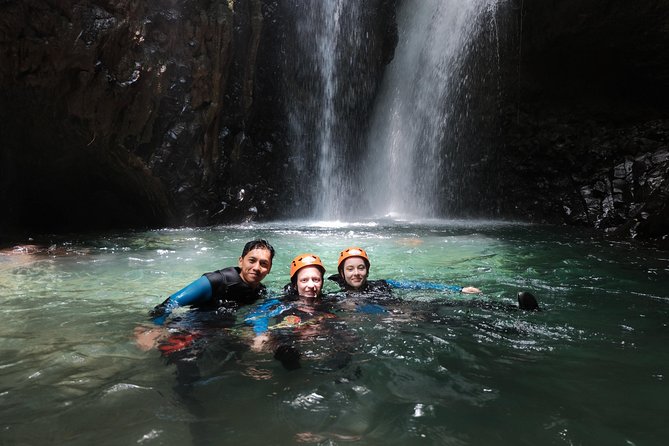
{"type": "Point", "coordinates": [128, 113]}
{"type": "Point", "coordinates": [584, 126]}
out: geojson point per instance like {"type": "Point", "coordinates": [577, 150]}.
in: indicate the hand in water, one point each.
{"type": "Point", "coordinates": [147, 338]}
{"type": "Point", "coordinates": [470, 290]}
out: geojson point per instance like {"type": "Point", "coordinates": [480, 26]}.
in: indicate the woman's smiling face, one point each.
{"type": "Point", "coordinates": [355, 272]}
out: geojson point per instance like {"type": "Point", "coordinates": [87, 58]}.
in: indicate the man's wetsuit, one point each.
{"type": "Point", "coordinates": [221, 289]}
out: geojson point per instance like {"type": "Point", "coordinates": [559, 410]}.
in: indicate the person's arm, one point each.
{"type": "Point", "coordinates": [418, 285]}
{"type": "Point", "coordinates": [198, 291]}
{"type": "Point", "coordinates": [259, 317]}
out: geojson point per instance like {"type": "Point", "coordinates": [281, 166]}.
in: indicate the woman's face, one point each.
{"type": "Point", "coordinates": [355, 272]}
{"type": "Point", "coordinates": [309, 281]}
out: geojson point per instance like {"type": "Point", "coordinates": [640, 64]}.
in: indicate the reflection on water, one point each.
{"type": "Point", "coordinates": [433, 369]}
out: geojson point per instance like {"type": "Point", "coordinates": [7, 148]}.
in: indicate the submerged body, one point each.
{"type": "Point", "coordinates": [303, 315]}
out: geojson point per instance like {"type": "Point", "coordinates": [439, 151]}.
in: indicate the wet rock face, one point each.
{"type": "Point", "coordinates": [128, 113]}
{"type": "Point", "coordinates": [585, 126]}
{"type": "Point", "coordinates": [584, 173]}
{"type": "Point", "coordinates": [628, 199]}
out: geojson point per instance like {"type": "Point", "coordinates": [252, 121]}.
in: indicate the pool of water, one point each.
{"type": "Point", "coordinates": [590, 368]}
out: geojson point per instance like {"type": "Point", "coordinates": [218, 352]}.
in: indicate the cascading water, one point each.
{"type": "Point", "coordinates": [416, 110]}
{"type": "Point", "coordinates": [328, 37]}
{"type": "Point", "coordinates": [377, 151]}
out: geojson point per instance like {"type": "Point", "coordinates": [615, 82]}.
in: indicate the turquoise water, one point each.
{"type": "Point", "coordinates": [591, 368]}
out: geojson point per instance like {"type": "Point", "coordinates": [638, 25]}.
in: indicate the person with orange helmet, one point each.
{"type": "Point", "coordinates": [304, 290]}
{"type": "Point", "coordinates": [353, 270]}
{"type": "Point", "coordinates": [279, 324]}
{"type": "Point", "coordinates": [306, 275]}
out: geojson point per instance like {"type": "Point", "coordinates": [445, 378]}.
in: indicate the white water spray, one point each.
{"type": "Point", "coordinates": [413, 113]}
{"type": "Point", "coordinates": [330, 32]}
{"type": "Point", "coordinates": [399, 166]}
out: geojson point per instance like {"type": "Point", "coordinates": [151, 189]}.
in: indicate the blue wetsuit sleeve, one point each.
{"type": "Point", "coordinates": [370, 309]}
{"type": "Point", "coordinates": [259, 317]}
{"type": "Point", "coordinates": [417, 285]}
{"type": "Point", "coordinates": [198, 291]}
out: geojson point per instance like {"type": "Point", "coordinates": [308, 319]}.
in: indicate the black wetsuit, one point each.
{"type": "Point", "coordinates": [228, 289]}
{"type": "Point", "coordinates": [222, 290]}
{"type": "Point", "coordinates": [373, 288]}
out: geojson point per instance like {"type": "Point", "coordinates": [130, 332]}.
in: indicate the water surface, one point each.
{"type": "Point", "coordinates": [589, 369]}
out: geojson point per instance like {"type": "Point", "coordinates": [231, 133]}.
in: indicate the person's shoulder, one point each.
{"type": "Point", "coordinates": [227, 275]}
{"type": "Point", "coordinates": [377, 290]}
{"type": "Point", "coordinates": [230, 271]}
{"type": "Point", "coordinates": [338, 279]}
{"type": "Point", "coordinates": [379, 282]}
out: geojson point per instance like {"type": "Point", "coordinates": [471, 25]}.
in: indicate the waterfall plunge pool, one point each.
{"type": "Point", "coordinates": [588, 369]}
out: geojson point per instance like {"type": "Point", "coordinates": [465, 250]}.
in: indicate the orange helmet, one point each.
{"type": "Point", "coordinates": [352, 252]}
{"type": "Point", "coordinates": [303, 260]}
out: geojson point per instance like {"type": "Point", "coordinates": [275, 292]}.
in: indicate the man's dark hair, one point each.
{"type": "Point", "coordinates": [258, 244]}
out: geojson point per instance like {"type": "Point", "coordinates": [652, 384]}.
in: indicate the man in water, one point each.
{"type": "Point", "coordinates": [222, 291]}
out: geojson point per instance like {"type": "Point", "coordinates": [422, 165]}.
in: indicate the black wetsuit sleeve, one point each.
{"type": "Point", "coordinates": [339, 280]}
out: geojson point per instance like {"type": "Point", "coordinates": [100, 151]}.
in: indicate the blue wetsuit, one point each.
{"type": "Point", "coordinates": [221, 289]}
{"type": "Point", "coordinates": [277, 311]}
{"type": "Point", "coordinates": [259, 317]}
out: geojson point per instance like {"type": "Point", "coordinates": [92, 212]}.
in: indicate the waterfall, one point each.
{"type": "Point", "coordinates": [403, 162]}
{"type": "Point", "coordinates": [328, 40]}
{"type": "Point", "coordinates": [415, 109]}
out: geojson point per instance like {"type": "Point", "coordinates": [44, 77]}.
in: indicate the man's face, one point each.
{"type": "Point", "coordinates": [309, 281]}
{"type": "Point", "coordinates": [255, 265]}
{"type": "Point", "coordinates": [355, 272]}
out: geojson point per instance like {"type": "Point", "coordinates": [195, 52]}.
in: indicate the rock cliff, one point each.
{"type": "Point", "coordinates": [128, 113]}
{"type": "Point", "coordinates": [585, 129]}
